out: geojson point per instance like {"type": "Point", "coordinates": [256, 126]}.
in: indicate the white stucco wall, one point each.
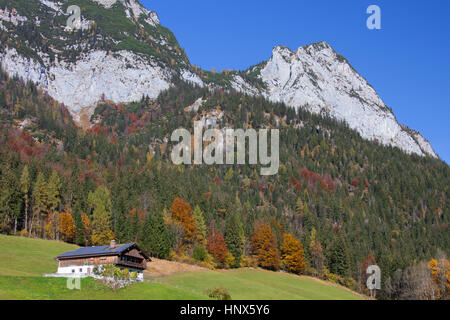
{"type": "Point", "coordinates": [83, 271]}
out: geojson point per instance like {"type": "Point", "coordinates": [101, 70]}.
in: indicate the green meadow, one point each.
{"type": "Point", "coordinates": [249, 284]}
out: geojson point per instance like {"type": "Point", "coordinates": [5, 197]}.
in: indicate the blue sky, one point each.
{"type": "Point", "coordinates": [407, 61]}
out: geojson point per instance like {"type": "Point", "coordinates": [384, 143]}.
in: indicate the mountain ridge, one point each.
{"type": "Point", "coordinates": [140, 58]}
{"type": "Point", "coordinates": [307, 78]}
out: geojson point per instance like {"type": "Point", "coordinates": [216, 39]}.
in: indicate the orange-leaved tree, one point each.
{"type": "Point", "coordinates": [264, 246]}
{"type": "Point", "coordinates": [216, 244]}
{"type": "Point", "coordinates": [182, 213]}
{"type": "Point", "coordinates": [292, 254]}
{"type": "Point", "coordinates": [86, 228]}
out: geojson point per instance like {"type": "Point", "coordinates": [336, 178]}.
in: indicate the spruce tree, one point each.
{"type": "Point", "coordinates": [40, 201]}
{"type": "Point", "coordinates": [234, 235]}
{"type": "Point", "coordinates": [10, 198]}
{"type": "Point", "coordinates": [339, 258]}
{"type": "Point", "coordinates": [157, 238]}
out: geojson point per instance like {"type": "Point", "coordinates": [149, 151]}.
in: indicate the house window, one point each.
{"type": "Point", "coordinates": [73, 270]}
{"type": "Point", "coordinates": [81, 269]}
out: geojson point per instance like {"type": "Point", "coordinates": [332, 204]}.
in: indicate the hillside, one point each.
{"type": "Point", "coordinates": [24, 260]}
{"type": "Point", "coordinates": [24, 257]}
{"type": "Point", "coordinates": [248, 284]}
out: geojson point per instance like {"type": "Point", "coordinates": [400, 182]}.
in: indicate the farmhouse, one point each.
{"type": "Point", "coordinates": [81, 262]}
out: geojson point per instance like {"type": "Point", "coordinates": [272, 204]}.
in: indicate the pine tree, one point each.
{"type": "Point", "coordinates": [53, 201]}
{"type": "Point", "coordinates": [10, 199]}
{"type": "Point", "coordinates": [40, 200]}
{"type": "Point", "coordinates": [157, 239]}
{"type": "Point", "coordinates": [339, 258]}
{"type": "Point", "coordinates": [234, 238]}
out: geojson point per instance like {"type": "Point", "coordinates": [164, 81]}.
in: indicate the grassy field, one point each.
{"type": "Point", "coordinates": [39, 288]}
{"type": "Point", "coordinates": [25, 260]}
{"type": "Point", "coordinates": [29, 257]}
{"type": "Point", "coordinates": [248, 284]}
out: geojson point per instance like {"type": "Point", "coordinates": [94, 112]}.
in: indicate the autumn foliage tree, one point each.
{"type": "Point", "coordinates": [440, 275]}
{"type": "Point", "coordinates": [292, 254]}
{"type": "Point", "coordinates": [182, 213]}
{"type": "Point", "coordinates": [316, 251]}
{"type": "Point", "coordinates": [216, 244]}
{"type": "Point", "coordinates": [86, 222]}
{"type": "Point", "coordinates": [368, 261]}
{"type": "Point", "coordinates": [264, 247]}
{"type": "Point", "coordinates": [66, 226]}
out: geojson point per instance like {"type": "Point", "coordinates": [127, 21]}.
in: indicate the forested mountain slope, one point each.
{"type": "Point", "coordinates": [348, 200]}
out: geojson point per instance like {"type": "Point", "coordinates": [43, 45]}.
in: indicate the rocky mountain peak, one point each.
{"type": "Point", "coordinates": [316, 77]}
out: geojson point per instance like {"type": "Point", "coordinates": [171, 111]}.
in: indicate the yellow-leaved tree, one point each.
{"type": "Point", "coordinates": [100, 202]}
{"type": "Point", "coordinates": [66, 226]}
{"type": "Point", "coordinates": [292, 254]}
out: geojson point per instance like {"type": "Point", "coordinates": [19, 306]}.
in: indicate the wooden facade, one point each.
{"type": "Point", "coordinates": [94, 261]}
{"type": "Point", "coordinates": [126, 256]}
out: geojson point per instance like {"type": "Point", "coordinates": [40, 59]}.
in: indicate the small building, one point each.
{"type": "Point", "coordinates": [81, 262]}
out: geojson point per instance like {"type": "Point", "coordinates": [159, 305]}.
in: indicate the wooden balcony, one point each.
{"type": "Point", "coordinates": [141, 266]}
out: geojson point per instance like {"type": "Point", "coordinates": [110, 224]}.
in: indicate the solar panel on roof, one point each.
{"type": "Point", "coordinates": [100, 250]}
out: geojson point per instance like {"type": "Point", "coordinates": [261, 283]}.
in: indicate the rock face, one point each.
{"type": "Point", "coordinates": [97, 71]}
{"type": "Point", "coordinates": [83, 83]}
{"type": "Point", "coordinates": [319, 79]}
{"type": "Point", "coordinates": [96, 74]}
{"type": "Point", "coordinates": [143, 58]}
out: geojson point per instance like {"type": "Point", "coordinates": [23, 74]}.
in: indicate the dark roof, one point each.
{"type": "Point", "coordinates": [96, 251]}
